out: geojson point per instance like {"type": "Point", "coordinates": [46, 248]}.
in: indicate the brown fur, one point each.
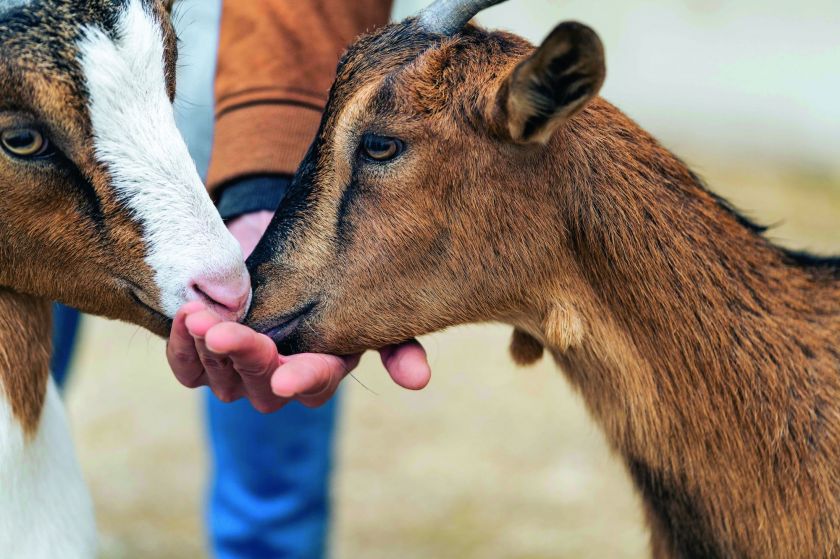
{"type": "Point", "coordinates": [708, 355]}
{"type": "Point", "coordinates": [64, 235]}
{"type": "Point", "coordinates": [24, 355]}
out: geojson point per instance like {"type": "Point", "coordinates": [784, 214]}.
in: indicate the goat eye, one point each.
{"type": "Point", "coordinates": [24, 142]}
{"type": "Point", "coordinates": [381, 148]}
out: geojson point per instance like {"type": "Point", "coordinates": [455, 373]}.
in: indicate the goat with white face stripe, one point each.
{"type": "Point", "coordinates": [101, 206]}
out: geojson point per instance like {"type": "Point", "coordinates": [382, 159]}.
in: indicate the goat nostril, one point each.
{"type": "Point", "coordinates": [228, 297]}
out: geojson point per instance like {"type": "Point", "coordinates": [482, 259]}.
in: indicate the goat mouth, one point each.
{"type": "Point", "coordinates": [136, 294]}
{"type": "Point", "coordinates": [156, 314]}
{"type": "Point", "coordinates": [286, 325]}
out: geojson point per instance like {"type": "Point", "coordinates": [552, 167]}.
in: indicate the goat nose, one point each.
{"type": "Point", "coordinates": [228, 296]}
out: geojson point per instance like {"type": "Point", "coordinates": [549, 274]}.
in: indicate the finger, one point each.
{"type": "Point", "coordinates": [407, 364]}
{"type": "Point", "coordinates": [222, 378]}
{"type": "Point", "coordinates": [181, 352]}
{"type": "Point", "coordinates": [318, 399]}
{"type": "Point", "coordinates": [254, 358]}
{"type": "Point", "coordinates": [269, 407]}
{"type": "Point", "coordinates": [252, 353]}
{"type": "Point", "coordinates": [198, 323]}
{"type": "Point", "coordinates": [311, 378]}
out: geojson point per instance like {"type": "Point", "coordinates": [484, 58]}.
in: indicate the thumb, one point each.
{"type": "Point", "coordinates": [407, 364]}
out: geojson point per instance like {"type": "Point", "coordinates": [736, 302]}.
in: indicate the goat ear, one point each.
{"type": "Point", "coordinates": [553, 84]}
{"type": "Point", "coordinates": [168, 5]}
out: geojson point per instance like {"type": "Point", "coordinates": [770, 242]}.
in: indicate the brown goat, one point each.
{"type": "Point", "coordinates": [463, 176]}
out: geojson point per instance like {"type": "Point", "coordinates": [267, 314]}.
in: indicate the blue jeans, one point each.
{"type": "Point", "coordinates": [65, 331]}
{"type": "Point", "coordinates": [269, 494]}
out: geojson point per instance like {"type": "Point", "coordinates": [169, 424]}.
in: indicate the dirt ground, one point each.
{"type": "Point", "coordinates": [487, 462]}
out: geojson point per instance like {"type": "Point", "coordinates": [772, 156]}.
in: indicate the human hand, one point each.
{"type": "Point", "coordinates": [236, 362]}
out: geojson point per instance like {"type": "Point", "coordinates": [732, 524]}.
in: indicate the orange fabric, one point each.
{"type": "Point", "coordinates": [276, 63]}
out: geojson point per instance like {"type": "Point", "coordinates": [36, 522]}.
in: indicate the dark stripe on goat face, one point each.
{"type": "Point", "coordinates": [382, 107]}
{"type": "Point", "coordinates": [374, 55]}
{"type": "Point", "coordinates": [89, 203]}
{"type": "Point", "coordinates": [294, 209]}
{"type": "Point", "coordinates": [344, 226]}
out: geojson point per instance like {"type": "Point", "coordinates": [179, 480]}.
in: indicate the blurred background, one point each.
{"type": "Point", "coordinates": [490, 461]}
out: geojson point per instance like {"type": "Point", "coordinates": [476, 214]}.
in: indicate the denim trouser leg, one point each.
{"type": "Point", "coordinates": [269, 494]}
{"type": "Point", "coordinates": [65, 329]}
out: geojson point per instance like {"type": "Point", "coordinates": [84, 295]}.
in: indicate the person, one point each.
{"type": "Point", "coordinates": [269, 482]}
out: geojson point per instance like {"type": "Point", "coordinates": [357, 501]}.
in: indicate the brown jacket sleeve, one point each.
{"type": "Point", "coordinates": [276, 62]}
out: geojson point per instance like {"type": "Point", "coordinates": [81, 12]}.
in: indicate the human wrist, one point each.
{"type": "Point", "coordinates": [252, 193]}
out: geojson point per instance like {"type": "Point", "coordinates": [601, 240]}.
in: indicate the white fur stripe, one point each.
{"type": "Point", "coordinates": [135, 136]}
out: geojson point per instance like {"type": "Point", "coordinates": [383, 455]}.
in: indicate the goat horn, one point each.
{"type": "Point", "coordinates": [447, 17]}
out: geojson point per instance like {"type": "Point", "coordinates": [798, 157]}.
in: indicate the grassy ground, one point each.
{"type": "Point", "coordinates": [488, 462]}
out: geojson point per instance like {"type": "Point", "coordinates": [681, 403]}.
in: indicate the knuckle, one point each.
{"type": "Point", "coordinates": [184, 357]}
{"type": "Point", "coordinates": [322, 391]}
{"type": "Point", "coordinates": [223, 394]}
{"type": "Point", "coordinates": [317, 389]}
{"type": "Point", "coordinates": [264, 407]}
{"type": "Point", "coordinates": [313, 403]}
{"type": "Point", "coordinates": [251, 371]}
{"type": "Point", "coordinates": [215, 363]}
{"type": "Point", "coordinates": [192, 383]}
{"type": "Point", "coordinates": [332, 362]}
{"type": "Point", "coordinates": [333, 365]}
